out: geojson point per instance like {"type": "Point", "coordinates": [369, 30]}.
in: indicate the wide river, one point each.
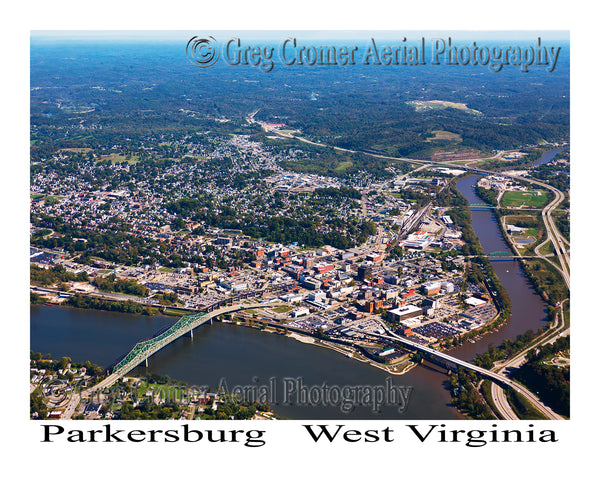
{"type": "Point", "coordinates": [225, 354]}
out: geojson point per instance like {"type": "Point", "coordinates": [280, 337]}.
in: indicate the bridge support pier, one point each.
{"type": "Point", "coordinates": [192, 333]}
{"type": "Point", "coordinates": [146, 362]}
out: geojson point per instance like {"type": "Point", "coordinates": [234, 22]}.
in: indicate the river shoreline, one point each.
{"type": "Point", "coordinates": [307, 339]}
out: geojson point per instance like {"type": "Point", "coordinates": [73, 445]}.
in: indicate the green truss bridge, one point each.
{"type": "Point", "coordinates": [500, 253]}
{"type": "Point", "coordinates": [481, 205]}
{"type": "Point", "coordinates": [503, 255]}
{"type": "Point", "coordinates": [186, 324]}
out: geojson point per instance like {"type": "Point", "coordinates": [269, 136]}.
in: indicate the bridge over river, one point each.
{"type": "Point", "coordinates": [186, 324]}
{"type": "Point", "coordinates": [502, 255]}
{"type": "Point", "coordinates": [450, 362]}
{"type": "Point", "coordinates": [147, 347]}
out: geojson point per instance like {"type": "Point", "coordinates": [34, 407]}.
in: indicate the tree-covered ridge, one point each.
{"type": "Point", "coordinates": [152, 87]}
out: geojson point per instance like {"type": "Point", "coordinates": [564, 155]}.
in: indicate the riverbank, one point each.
{"type": "Point", "coordinates": [349, 353]}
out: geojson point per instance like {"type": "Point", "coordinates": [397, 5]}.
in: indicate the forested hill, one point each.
{"type": "Point", "coordinates": [103, 89]}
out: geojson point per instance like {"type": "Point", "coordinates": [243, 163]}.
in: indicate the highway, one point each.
{"type": "Point", "coordinates": [499, 378]}
{"type": "Point", "coordinates": [120, 297]}
{"type": "Point", "coordinates": [503, 368]}
{"type": "Point", "coordinates": [501, 403]}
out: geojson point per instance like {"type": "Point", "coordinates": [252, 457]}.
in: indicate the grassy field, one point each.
{"type": "Point", "coordinates": [513, 219]}
{"type": "Point", "coordinates": [395, 194]}
{"type": "Point", "coordinates": [342, 167]}
{"type": "Point", "coordinates": [52, 199]}
{"type": "Point", "coordinates": [535, 199]}
{"type": "Point", "coordinates": [194, 157]}
{"type": "Point", "coordinates": [281, 309]}
{"type": "Point", "coordinates": [547, 249]}
{"type": "Point", "coordinates": [75, 150]}
{"type": "Point", "coordinates": [522, 407]}
{"type": "Point", "coordinates": [172, 313]}
{"type": "Point", "coordinates": [444, 135]}
{"type": "Point", "coordinates": [532, 232]}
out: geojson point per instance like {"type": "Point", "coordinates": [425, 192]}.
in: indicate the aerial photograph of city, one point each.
{"type": "Point", "coordinates": [276, 225]}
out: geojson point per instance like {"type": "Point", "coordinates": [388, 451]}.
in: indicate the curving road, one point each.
{"type": "Point", "coordinates": [501, 403]}
{"type": "Point", "coordinates": [502, 368]}
{"type": "Point", "coordinates": [497, 377]}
